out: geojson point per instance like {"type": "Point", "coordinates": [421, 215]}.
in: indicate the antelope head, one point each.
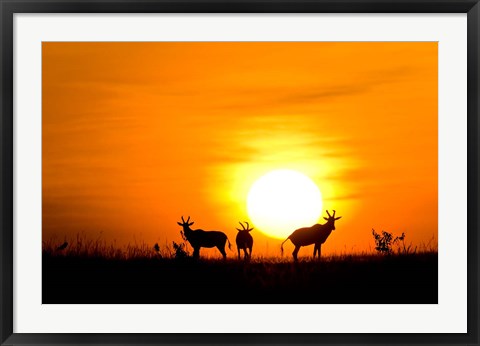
{"type": "Point", "coordinates": [245, 229]}
{"type": "Point", "coordinates": [186, 224]}
{"type": "Point", "coordinates": [331, 219]}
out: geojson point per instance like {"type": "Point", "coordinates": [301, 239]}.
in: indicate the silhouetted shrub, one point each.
{"type": "Point", "coordinates": [179, 251]}
{"type": "Point", "coordinates": [384, 241]}
{"type": "Point", "coordinates": [157, 250]}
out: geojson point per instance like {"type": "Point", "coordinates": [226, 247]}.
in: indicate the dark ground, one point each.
{"type": "Point", "coordinates": [375, 279]}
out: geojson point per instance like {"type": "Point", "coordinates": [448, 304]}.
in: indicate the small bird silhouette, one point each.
{"type": "Point", "coordinates": [62, 247]}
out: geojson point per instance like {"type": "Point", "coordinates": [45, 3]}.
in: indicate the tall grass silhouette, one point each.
{"type": "Point", "coordinates": [89, 271]}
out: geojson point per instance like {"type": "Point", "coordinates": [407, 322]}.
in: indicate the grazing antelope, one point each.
{"type": "Point", "coordinates": [244, 241]}
{"type": "Point", "coordinates": [199, 238]}
{"type": "Point", "coordinates": [317, 234]}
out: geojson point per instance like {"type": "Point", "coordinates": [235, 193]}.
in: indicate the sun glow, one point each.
{"type": "Point", "coordinates": [283, 200]}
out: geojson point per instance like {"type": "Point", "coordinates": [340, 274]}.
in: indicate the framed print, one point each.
{"type": "Point", "coordinates": [239, 172]}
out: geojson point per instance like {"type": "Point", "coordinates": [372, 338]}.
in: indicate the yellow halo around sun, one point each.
{"type": "Point", "coordinates": [283, 200]}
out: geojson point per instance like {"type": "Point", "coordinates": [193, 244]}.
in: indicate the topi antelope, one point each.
{"type": "Point", "coordinates": [317, 234]}
{"type": "Point", "coordinates": [244, 241]}
{"type": "Point", "coordinates": [199, 238]}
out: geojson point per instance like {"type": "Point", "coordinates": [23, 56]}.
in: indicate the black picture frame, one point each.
{"type": "Point", "coordinates": [10, 7]}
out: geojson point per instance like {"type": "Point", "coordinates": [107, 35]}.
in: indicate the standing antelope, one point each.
{"type": "Point", "coordinates": [317, 234]}
{"type": "Point", "coordinates": [199, 238]}
{"type": "Point", "coordinates": [244, 241]}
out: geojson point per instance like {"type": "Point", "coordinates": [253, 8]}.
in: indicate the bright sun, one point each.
{"type": "Point", "coordinates": [283, 200]}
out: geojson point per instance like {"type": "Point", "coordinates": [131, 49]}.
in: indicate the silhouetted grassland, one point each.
{"type": "Point", "coordinates": [99, 273]}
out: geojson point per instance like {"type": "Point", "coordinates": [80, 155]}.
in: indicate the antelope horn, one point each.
{"type": "Point", "coordinates": [247, 225]}
{"type": "Point", "coordinates": [334, 213]}
{"type": "Point", "coordinates": [188, 219]}
{"type": "Point", "coordinates": [241, 224]}
{"type": "Point", "coordinates": [183, 219]}
{"type": "Point", "coordinates": [328, 214]}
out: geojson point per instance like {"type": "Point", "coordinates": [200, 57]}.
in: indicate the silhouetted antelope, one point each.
{"type": "Point", "coordinates": [244, 241]}
{"type": "Point", "coordinates": [199, 238]}
{"type": "Point", "coordinates": [317, 234]}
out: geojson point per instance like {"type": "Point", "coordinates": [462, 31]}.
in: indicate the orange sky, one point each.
{"type": "Point", "coordinates": [137, 134]}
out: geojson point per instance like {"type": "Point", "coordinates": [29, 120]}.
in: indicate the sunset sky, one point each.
{"type": "Point", "coordinates": [135, 135]}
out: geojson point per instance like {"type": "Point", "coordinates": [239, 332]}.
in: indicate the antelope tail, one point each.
{"type": "Point", "coordinates": [281, 246]}
{"type": "Point", "coordinates": [229, 245]}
